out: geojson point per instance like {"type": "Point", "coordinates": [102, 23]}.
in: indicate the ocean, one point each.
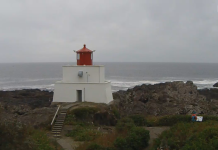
{"type": "Point", "coordinates": [123, 75]}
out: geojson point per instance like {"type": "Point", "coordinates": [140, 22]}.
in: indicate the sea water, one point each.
{"type": "Point", "coordinates": [122, 75]}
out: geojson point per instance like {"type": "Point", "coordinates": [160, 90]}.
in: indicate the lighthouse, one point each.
{"type": "Point", "coordinates": [83, 82]}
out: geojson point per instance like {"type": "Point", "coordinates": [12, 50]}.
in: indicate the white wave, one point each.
{"type": "Point", "coordinates": [116, 85]}
{"type": "Point", "coordinates": [41, 87]}
{"type": "Point", "coordinates": [29, 80]}
{"type": "Point", "coordinates": [205, 82]}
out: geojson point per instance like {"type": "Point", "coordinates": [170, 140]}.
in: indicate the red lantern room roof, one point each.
{"type": "Point", "coordinates": [84, 50]}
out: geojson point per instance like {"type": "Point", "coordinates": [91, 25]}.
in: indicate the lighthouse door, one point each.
{"type": "Point", "coordinates": [79, 95]}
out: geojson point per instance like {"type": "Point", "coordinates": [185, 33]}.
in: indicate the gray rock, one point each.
{"type": "Point", "coordinates": [215, 85]}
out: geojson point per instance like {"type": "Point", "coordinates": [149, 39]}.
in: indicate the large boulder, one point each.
{"type": "Point", "coordinates": [215, 85]}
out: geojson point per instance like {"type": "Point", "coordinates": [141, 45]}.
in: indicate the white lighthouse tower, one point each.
{"type": "Point", "coordinates": [83, 82]}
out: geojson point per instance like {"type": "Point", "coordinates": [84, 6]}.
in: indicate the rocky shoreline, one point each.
{"type": "Point", "coordinates": [168, 98]}
{"type": "Point", "coordinates": [34, 107]}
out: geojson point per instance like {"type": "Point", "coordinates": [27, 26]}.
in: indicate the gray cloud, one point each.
{"type": "Point", "coordinates": [124, 30]}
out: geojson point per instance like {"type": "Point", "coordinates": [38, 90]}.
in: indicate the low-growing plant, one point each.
{"type": "Point", "coordinates": [116, 112]}
{"type": "Point", "coordinates": [41, 140]}
{"type": "Point", "coordinates": [137, 139]}
{"type": "Point", "coordinates": [139, 120]}
{"type": "Point", "coordinates": [125, 124]}
{"type": "Point", "coordinates": [172, 120]}
{"type": "Point", "coordinates": [84, 112]}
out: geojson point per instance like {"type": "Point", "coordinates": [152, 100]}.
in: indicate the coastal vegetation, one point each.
{"type": "Point", "coordinates": [189, 136]}
{"type": "Point", "coordinates": [15, 135]}
{"type": "Point", "coordinates": [129, 133]}
{"type": "Point", "coordinates": [127, 136]}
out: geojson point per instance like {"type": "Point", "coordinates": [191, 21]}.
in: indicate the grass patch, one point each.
{"type": "Point", "coordinates": [83, 134]}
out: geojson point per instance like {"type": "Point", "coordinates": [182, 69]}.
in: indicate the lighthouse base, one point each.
{"type": "Point", "coordinates": [82, 92]}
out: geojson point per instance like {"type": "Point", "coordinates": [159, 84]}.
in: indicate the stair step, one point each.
{"type": "Point", "coordinates": [56, 132]}
{"type": "Point", "coordinates": [57, 127]}
{"type": "Point", "coordinates": [60, 126]}
{"type": "Point", "coordinates": [62, 120]}
{"type": "Point", "coordinates": [59, 121]}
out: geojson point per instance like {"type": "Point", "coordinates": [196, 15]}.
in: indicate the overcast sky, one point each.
{"type": "Point", "coordinates": [119, 30]}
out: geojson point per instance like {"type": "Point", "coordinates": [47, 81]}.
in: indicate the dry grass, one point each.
{"type": "Point", "coordinates": [105, 140]}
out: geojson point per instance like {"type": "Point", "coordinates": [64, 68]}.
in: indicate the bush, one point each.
{"type": "Point", "coordinates": [125, 124]}
{"type": "Point", "coordinates": [94, 146]}
{"type": "Point", "coordinates": [139, 120]}
{"type": "Point", "coordinates": [121, 143]}
{"type": "Point", "coordinates": [82, 115]}
{"type": "Point", "coordinates": [84, 112]}
{"type": "Point", "coordinates": [116, 112]}
{"type": "Point", "coordinates": [137, 139]}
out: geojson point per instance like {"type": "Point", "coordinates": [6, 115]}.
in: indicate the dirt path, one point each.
{"type": "Point", "coordinates": [154, 133]}
{"type": "Point", "coordinates": [67, 143]}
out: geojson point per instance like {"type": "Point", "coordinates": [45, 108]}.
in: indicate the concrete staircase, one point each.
{"type": "Point", "coordinates": [59, 122]}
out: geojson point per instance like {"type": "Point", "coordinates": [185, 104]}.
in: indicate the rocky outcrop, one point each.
{"type": "Point", "coordinates": [164, 99]}
{"type": "Point", "coordinates": [34, 107]}
{"type": "Point", "coordinates": [33, 98]}
{"type": "Point", "coordinates": [215, 85]}
{"type": "Point", "coordinates": [31, 107]}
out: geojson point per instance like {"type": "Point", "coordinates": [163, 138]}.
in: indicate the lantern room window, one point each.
{"type": "Point", "coordinates": [78, 56]}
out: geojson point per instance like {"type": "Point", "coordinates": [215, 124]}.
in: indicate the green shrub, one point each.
{"type": "Point", "coordinates": [84, 112]}
{"type": "Point", "coordinates": [121, 144]}
{"type": "Point", "coordinates": [125, 124]}
{"type": "Point", "coordinates": [82, 115]}
{"type": "Point", "coordinates": [137, 139]}
{"type": "Point", "coordinates": [116, 112]}
{"type": "Point", "coordinates": [94, 146]}
{"type": "Point", "coordinates": [139, 120]}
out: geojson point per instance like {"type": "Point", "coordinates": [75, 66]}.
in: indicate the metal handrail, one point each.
{"type": "Point", "coordinates": [55, 115]}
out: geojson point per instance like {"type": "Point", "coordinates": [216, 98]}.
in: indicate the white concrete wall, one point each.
{"type": "Point", "coordinates": [95, 74]}
{"type": "Point", "coordinates": [91, 92]}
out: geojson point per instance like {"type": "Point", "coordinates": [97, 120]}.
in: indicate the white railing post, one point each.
{"type": "Point", "coordinates": [55, 115]}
